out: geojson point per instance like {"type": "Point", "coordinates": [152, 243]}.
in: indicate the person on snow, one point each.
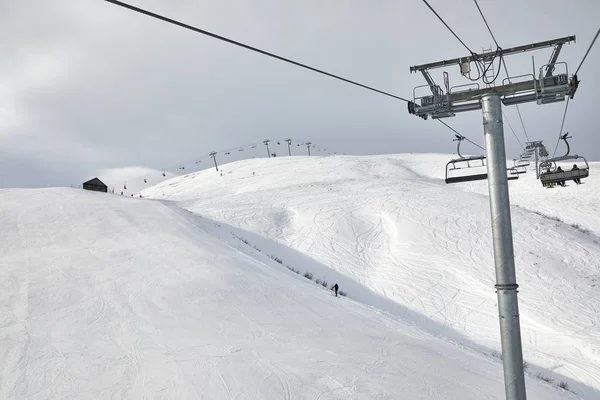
{"type": "Point", "coordinates": [335, 289]}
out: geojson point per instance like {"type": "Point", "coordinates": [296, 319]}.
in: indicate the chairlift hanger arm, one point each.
{"type": "Point", "coordinates": [489, 56]}
{"type": "Point", "coordinates": [430, 81]}
{"type": "Point", "coordinates": [553, 58]}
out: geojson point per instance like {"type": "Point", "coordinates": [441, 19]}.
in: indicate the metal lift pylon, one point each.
{"type": "Point", "coordinates": [547, 87]}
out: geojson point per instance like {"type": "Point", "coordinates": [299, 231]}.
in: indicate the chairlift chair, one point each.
{"type": "Point", "coordinates": [514, 172]}
{"type": "Point", "coordinates": [462, 163]}
{"type": "Point", "coordinates": [548, 169]}
{"type": "Point", "coordinates": [520, 166]}
{"type": "Point", "coordinates": [526, 156]}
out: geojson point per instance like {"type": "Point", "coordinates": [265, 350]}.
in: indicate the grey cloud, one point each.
{"type": "Point", "coordinates": [108, 88]}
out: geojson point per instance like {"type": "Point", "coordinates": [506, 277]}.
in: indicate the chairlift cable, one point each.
{"type": "Point", "coordinates": [446, 25]}
{"type": "Point", "coordinates": [486, 23]}
{"type": "Point", "coordinates": [460, 134]}
{"type": "Point", "coordinates": [561, 126]}
{"type": "Point", "coordinates": [588, 51]}
{"type": "Point", "coordinates": [568, 98]}
{"type": "Point", "coordinates": [513, 131]}
{"type": "Point", "coordinates": [248, 47]}
{"type": "Point", "coordinates": [522, 123]}
{"type": "Point", "coordinates": [505, 69]}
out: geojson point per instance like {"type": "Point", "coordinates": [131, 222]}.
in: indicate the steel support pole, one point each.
{"type": "Point", "coordinates": [504, 259]}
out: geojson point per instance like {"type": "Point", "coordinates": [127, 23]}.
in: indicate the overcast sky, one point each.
{"type": "Point", "coordinates": [87, 86]}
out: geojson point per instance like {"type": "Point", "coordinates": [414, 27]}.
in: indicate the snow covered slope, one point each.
{"type": "Point", "coordinates": [391, 225]}
{"type": "Point", "coordinates": [115, 297]}
{"type": "Point", "coordinates": [573, 204]}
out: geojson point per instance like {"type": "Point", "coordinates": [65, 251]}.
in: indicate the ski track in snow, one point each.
{"type": "Point", "coordinates": [392, 225]}
{"type": "Point", "coordinates": [111, 297]}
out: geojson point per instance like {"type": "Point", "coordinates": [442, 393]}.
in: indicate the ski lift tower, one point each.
{"type": "Point", "coordinates": [539, 151]}
{"type": "Point", "coordinates": [546, 87]}
{"type": "Point", "coordinates": [213, 155]}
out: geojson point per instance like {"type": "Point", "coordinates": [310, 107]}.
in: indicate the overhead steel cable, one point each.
{"type": "Point", "coordinates": [588, 51]}
{"type": "Point", "coordinates": [486, 23]}
{"type": "Point", "coordinates": [460, 134]}
{"type": "Point", "coordinates": [562, 124]}
{"type": "Point", "coordinates": [446, 25]}
{"type": "Point", "coordinates": [481, 69]}
{"type": "Point", "coordinates": [248, 47]}
{"type": "Point", "coordinates": [266, 53]}
{"type": "Point", "coordinates": [513, 131]}
{"type": "Point", "coordinates": [505, 70]}
{"type": "Point", "coordinates": [522, 123]}
{"type": "Point", "coordinates": [473, 53]}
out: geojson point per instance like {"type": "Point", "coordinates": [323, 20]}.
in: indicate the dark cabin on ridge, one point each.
{"type": "Point", "coordinates": [96, 185]}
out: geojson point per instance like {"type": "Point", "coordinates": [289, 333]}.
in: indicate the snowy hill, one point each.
{"type": "Point", "coordinates": [116, 297]}
{"type": "Point", "coordinates": [113, 297]}
{"type": "Point", "coordinates": [389, 225]}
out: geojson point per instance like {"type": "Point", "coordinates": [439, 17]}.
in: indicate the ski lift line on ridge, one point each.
{"type": "Point", "coordinates": [507, 75]}
{"type": "Point", "coordinates": [230, 41]}
{"type": "Point", "coordinates": [181, 165]}
{"type": "Point", "coordinates": [248, 47]}
{"type": "Point", "coordinates": [196, 160]}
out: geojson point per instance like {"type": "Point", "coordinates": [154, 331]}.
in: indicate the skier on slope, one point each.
{"type": "Point", "coordinates": [335, 288]}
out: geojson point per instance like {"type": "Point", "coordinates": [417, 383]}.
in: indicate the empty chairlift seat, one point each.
{"type": "Point", "coordinates": [469, 169]}
{"type": "Point", "coordinates": [466, 169]}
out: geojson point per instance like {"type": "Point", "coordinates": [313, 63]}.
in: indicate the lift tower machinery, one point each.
{"type": "Point", "coordinates": [545, 87]}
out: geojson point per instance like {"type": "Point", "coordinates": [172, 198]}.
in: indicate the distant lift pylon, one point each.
{"type": "Point", "coordinates": [470, 162]}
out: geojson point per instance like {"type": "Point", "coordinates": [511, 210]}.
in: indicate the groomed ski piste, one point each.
{"type": "Point", "coordinates": [184, 293]}
{"type": "Point", "coordinates": [390, 226]}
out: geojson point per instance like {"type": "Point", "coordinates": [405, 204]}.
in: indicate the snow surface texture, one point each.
{"type": "Point", "coordinates": [116, 297]}
{"type": "Point", "coordinates": [398, 238]}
